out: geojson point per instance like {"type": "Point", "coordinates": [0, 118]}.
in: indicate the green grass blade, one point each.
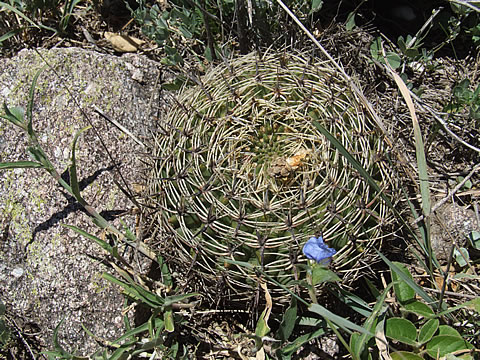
{"type": "Point", "coordinates": [24, 17]}
{"type": "Point", "coordinates": [73, 168]}
{"type": "Point", "coordinates": [105, 245]}
{"type": "Point", "coordinates": [158, 324]}
{"type": "Point", "coordinates": [9, 34]}
{"type": "Point", "coordinates": [170, 300]}
{"type": "Point", "coordinates": [353, 301]}
{"type": "Point", "coordinates": [370, 323]}
{"type": "Point", "coordinates": [301, 340]}
{"type": "Point", "coordinates": [342, 340]}
{"type": "Point", "coordinates": [20, 165]}
{"type": "Point", "coordinates": [419, 290]}
{"type": "Point", "coordinates": [353, 162]}
{"type": "Point", "coordinates": [132, 291]}
{"type": "Point", "coordinates": [421, 163]}
{"type": "Point", "coordinates": [338, 320]}
{"type": "Point", "coordinates": [31, 99]}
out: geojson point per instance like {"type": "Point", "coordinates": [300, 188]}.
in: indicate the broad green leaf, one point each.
{"type": "Point", "coordinates": [474, 238]}
{"type": "Point", "coordinates": [185, 32]}
{"type": "Point", "coordinates": [467, 185]}
{"type": "Point", "coordinates": [15, 115]}
{"type": "Point", "coordinates": [356, 344]}
{"type": "Point", "coordinates": [208, 54]}
{"type": "Point", "coordinates": [402, 330]}
{"type": "Point", "coordinates": [376, 50]}
{"type": "Point", "coordinates": [394, 60]}
{"type": "Point", "coordinates": [149, 345]}
{"type": "Point", "coordinates": [428, 330]}
{"type": "Point", "coordinates": [350, 23]}
{"type": "Point", "coordinates": [419, 308]}
{"type": "Point", "coordinates": [460, 357]}
{"type": "Point", "coordinates": [316, 5]}
{"type": "Point", "coordinates": [473, 304]}
{"type": "Point", "coordinates": [461, 256]}
{"type": "Point", "coordinates": [448, 330]}
{"type": "Point", "coordinates": [288, 322]}
{"type": "Point", "coordinates": [418, 289]}
{"type": "Point", "coordinates": [403, 292]}
{"type": "Point", "coordinates": [412, 53]}
{"type": "Point", "coordinates": [166, 276]}
{"type": "Point", "coordinates": [311, 321]}
{"type": "Point", "coordinates": [20, 165]}
{"type": "Point", "coordinates": [321, 274]}
{"type": "Point", "coordinates": [442, 345]}
{"type": "Point", "coordinates": [168, 319]}
{"type": "Point", "coordinates": [262, 328]}
{"type": "Point", "coordinates": [402, 44]}
{"type": "Point", "coordinates": [405, 355]}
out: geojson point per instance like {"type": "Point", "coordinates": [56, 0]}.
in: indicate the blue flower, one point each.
{"type": "Point", "coordinates": [316, 249]}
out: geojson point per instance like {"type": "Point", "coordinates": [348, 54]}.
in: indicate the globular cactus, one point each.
{"type": "Point", "coordinates": [241, 172]}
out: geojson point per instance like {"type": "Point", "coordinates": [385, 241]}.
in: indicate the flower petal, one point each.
{"type": "Point", "coordinates": [316, 249]}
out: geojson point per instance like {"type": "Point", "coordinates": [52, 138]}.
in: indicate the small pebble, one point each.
{"type": "Point", "coordinates": [17, 272]}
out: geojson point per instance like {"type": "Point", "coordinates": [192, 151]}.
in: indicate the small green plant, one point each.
{"type": "Point", "coordinates": [419, 327]}
{"type": "Point", "coordinates": [213, 30]}
{"type": "Point", "coordinates": [156, 338]}
{"type": "Point", "coordinates": [50, 15]}
{"type": "Point", "coordinates": [465, 98]}
{"type": "Point", "coordinates": [462, 254]}
{"type": "Point", "coordinates": [5, 332]}
{"type": "Point", "coordinates": [463, 22]}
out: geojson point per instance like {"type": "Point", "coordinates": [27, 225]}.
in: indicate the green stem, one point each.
{"type": "Point", "coordinates": [311, 287]}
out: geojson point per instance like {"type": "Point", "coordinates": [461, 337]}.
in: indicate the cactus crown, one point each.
{"type": "Point", "coordinates": [241, 173]}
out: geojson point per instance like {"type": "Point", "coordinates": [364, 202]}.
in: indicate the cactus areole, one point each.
{"type": "Point", "coordinates": [242, 175]}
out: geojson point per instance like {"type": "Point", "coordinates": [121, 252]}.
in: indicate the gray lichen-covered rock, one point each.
{"type": "Point", "coordinates": [48, 272]}
{"type": "Point", "coordinates": [452, 223]}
